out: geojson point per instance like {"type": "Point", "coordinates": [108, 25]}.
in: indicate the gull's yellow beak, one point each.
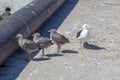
{"type": "Point", "coordinates": [90, 27]}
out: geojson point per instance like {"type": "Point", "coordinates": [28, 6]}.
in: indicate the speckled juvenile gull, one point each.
{"type": "Point", "coordinates": [58, 39]}
{"type": "Point", "coordinates": [84, 34]}
{"type": "Point", "coordinates": [27, 45]}
{"type": "Point", "coordinates": [42, 41]}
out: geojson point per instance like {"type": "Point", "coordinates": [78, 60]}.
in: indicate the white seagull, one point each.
{"type": "Point", "coordinates": [84, 34]}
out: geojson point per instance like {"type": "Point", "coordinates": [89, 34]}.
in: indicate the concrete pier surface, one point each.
{"type": "Point", "coordinates": [101, 59]}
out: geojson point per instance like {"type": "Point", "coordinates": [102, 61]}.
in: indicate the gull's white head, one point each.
{"type": "Point", "coordinates": [86, 26]}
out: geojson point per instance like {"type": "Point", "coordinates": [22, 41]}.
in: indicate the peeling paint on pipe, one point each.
{"type": "Point", "coordinates": [26, 21]}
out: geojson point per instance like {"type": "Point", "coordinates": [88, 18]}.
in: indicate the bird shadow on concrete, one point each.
{"type": "Point", "coordinates": [41, 59]}
{"type": "Point", "coordinates": [92, 46]}
{"type": "Point", "coordinates": [54, 55]}
{"type": "Point", "coordinates": [69, 51]}
{"type": "Point", "coordinates": [15, 65]}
